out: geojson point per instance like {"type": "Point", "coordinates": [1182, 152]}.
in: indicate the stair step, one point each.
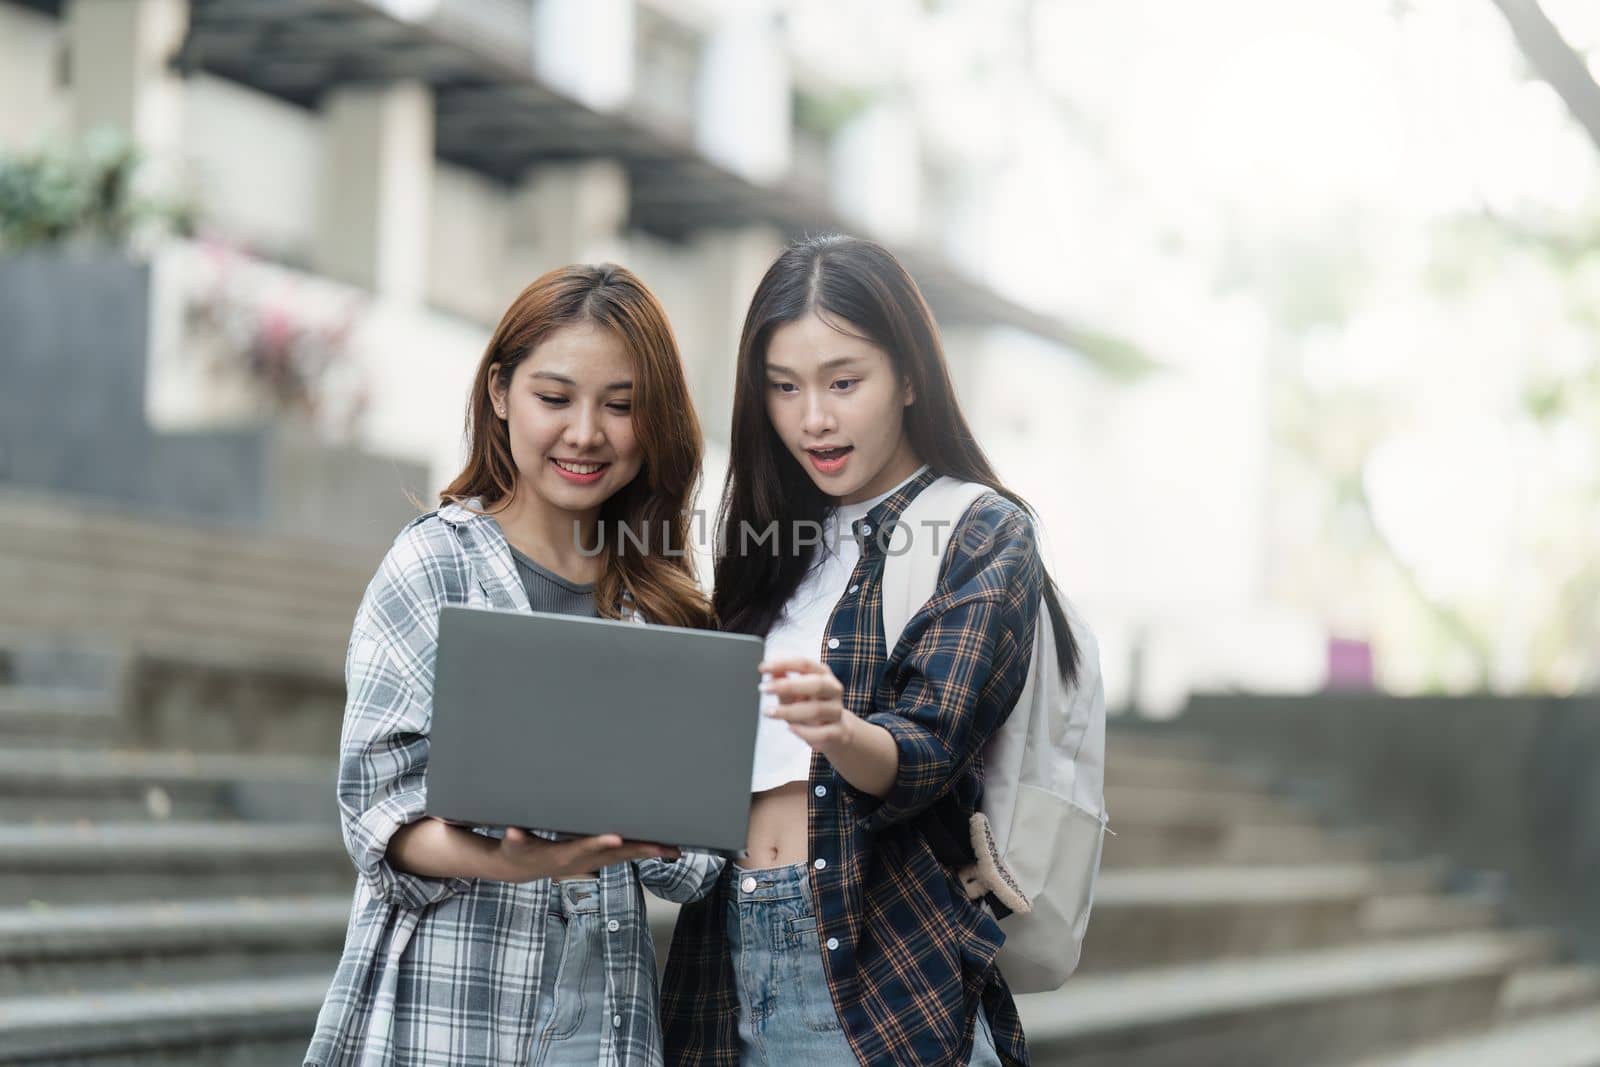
{"type": "Point", "coordinates": [1206, 810]}
{"type": "Point", "coordinates": [256, 1023]}
{"type": "Point", "coordinates": [1558, 987]}
{"type": "Point", "coordinates": [1172, 840]}
{"type": "Point", "coordinates": [1331, 1005]}
{"type": "Point", "coordinates": [103, 947]}
{"type": "Point", "coordinates": [33, 717]}
{"type": "Point", "coordinates": [1571, 1039]}
{"type": "Point", "coordinates": [83, 529]}
{"type": "Point", "coordinates": [78, 863]}
{"type": "Point", "coordinates": [1135, 770]}
{"type": "Point", "coordinates": [222, 631]}
{"type": "Point", "coordinates": [1409, 914]}
{"type": "Point", "coordinates": [21, 699]}
{"type": "Point", "coordinates": [1226, 797]}
{"type": "Point", "coordinates": [64, 785]}
{"type": "Point", "coordinates": [76, 572]}
{"type": "Point", "coordinates": [1165, 744]}
{"type": "Point", "coordinates": [1206, 886]}
{"type": "Point", "coordinates": [1149, 917]}
{"type": "Point", "coordinates": [151, 767]}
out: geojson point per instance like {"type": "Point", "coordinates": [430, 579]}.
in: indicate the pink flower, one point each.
{"type": "Point", "coordinates": [276, 328]}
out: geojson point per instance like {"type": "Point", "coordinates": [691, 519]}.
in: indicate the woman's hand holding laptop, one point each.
{"type": "Point", "coordinates": [437, 849]}
{"type": "Point", "coordinates": [528, 858]}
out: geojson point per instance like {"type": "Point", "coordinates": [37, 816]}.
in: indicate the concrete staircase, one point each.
{"type": "Point", "coordinates": [169, 635]}
{"type": "Point", "coordinates": [171, 908]}
{"type": "Point", "coordinates": [85, 570]}
{"type": "Point", "coordinates": [185, 908]}
{"type": "Point", "coordinates": [160, 906]}
{"type": "Point", "coordinates": [1272, 954]}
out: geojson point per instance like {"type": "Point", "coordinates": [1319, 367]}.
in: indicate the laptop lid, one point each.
{"type": "Point", "coordinates": [589, 726]}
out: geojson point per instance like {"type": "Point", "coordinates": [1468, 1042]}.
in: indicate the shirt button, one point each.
{"type": "Point", "coordinates": [833, 944]}
{"type": "Point", "coordinates": [821, 790]}
{"type": "Point", "coordinates": [866, 527]}
{"type": "Point", "coordinates": [820, 864]}
{"type": "Point", "coordinates": [748, 885]}
{"type": "Point", "coordinates": [613, 926]}
{"type": "Point", "coordinates": [616, 1020]}
{"type": "Point", "coordinates": [854, 588]}
{"type": "Point", "coordinates": [833, 642]}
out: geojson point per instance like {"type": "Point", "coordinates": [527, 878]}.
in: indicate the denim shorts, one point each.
{"type": "Point", "coordinates": [786, 1014]}
{"type": "Point", "coordinates": [570, 1015]}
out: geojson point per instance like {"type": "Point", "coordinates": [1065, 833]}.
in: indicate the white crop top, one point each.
{"type": "Point", "coordinates": [781, 757]}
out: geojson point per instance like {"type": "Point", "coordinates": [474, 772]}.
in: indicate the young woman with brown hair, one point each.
{"type": "Point", "coordinates": [488, 947]}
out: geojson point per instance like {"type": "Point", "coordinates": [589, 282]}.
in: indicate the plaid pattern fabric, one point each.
{"type": "Point", "coordinates": [441, 972]}
{"type": "Point", "coordinates": [908, 956]}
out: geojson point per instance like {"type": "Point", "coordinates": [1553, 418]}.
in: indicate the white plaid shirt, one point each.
{"type": "Point", "coordinates": [442, 972]}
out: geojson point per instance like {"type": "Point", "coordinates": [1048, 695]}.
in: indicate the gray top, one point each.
{"type": "Point", "coordinates": [548, 591]}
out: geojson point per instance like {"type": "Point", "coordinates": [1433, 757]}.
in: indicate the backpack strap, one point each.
{"type": "Point", "coordinates": [916, 550]}
{"type": "Point", "coordinates": [914, 557]}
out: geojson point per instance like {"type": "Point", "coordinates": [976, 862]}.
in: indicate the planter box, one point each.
{"type": "Point", "coordinates": [74, 350]}
{"type": "Point", "coordinates": [74, 328]}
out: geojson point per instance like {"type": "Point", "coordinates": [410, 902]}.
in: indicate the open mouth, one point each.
{"type": "Point", "coordinates": [829, 460]}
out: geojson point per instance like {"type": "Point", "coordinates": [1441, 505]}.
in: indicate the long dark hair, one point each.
{"type": "Point", "coordinates": [662, 585]}
{"type": "Point", "coordinates": [860, 287]}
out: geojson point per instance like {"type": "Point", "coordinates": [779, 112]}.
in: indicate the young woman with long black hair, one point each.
{"type": "Point", "coordinates": [845, 935]}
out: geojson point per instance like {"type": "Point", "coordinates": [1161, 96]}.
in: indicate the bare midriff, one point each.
{"type": "Point", "coordinates": [777, 835]}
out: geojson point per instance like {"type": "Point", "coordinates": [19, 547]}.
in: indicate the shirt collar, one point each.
{"type": "Point", "coordinates": [487, 552]}
{"type": "Point", "coordinates": [889, 511]}
{"type": "Point", "coordinates": [463, 513]}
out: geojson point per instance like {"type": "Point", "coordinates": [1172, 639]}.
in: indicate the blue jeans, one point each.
{"type": "Point", "coordinates": [786, 1014]}
{"type": "Point", "coordinates": [570, 1016]}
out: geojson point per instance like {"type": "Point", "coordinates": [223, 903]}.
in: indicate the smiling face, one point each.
{"type": "Point", "coordinates": [568, 410]}
{"type": "Point", "coordinates": [839, 408]}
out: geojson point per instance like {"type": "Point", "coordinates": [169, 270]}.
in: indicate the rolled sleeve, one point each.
{"type": "Point", "coordinates": [963, 673]}
{"type": "Point", "coordinates": [688, 878]}
{"type": "Point", "coordinates": [367, 838]}
{"type": "Point", "coordinates": [383, 748]}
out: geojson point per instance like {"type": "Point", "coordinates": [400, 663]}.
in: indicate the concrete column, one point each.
{"type": "Point", "coordinates": [744, 118]}
{"type": "Point", "coordinates": [120, 55]}
{"type": "Point", "coordinates": [875, 165]}
{"type": "Point", "coordinates": [567, 213]}
{"type": "Point", "coordinates": [585, 48]}
{"type": "Point", "coordinates": [728, 264]}
{"type": "Point", "coordinates": [377, 188]}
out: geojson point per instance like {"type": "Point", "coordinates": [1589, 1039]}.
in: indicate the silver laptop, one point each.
{"type": "Point", "coordinates": [590, 726]}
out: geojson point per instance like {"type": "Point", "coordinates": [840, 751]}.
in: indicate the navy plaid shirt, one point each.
{"type": "Point", "coordinates": [908, 956]}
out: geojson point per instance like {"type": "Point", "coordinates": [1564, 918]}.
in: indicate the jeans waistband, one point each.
{"type": "Point", "coordinates": [768, 883]}
{"type": "Point", "coordinates": [575, 896]}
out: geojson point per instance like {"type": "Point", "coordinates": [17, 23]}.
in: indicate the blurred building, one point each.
{"type": "Point", "coordinates": [373, 182]}
{"type": "Point", "coordinates": [423, 159]}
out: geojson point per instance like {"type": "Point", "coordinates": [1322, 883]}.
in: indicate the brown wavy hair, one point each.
{"type": "Point", "coordinates": [654, 507]}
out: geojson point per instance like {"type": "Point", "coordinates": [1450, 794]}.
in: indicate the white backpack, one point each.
{"type": "Point", "coordinates": [1039, 834]}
